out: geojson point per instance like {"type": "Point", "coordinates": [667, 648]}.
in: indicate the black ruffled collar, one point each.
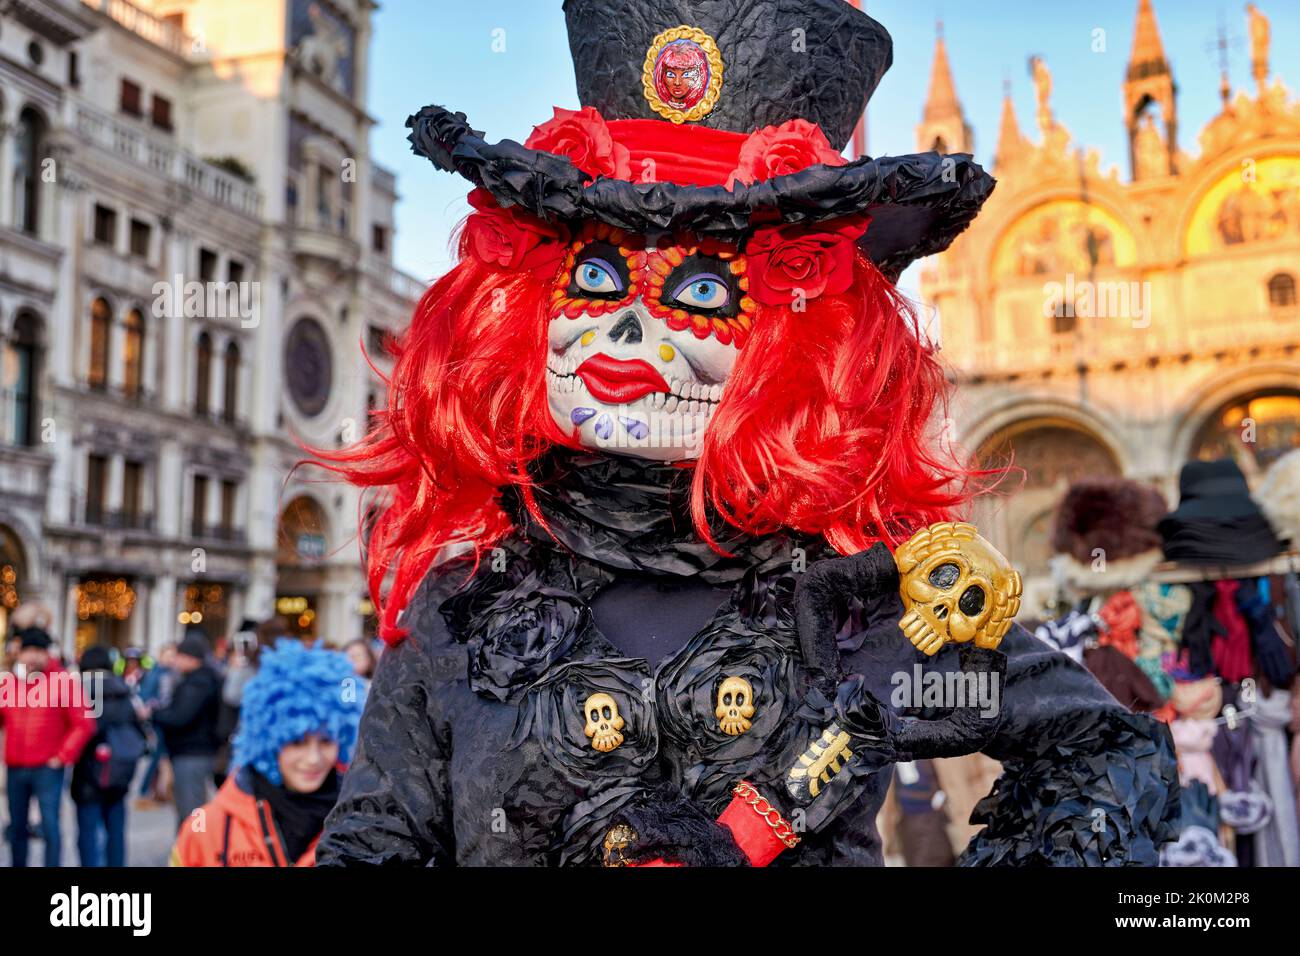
{"type": "Point", "coordinates": [629, 514]}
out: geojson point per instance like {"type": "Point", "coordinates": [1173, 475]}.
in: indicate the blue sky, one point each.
{"type": "Point", "coordinates": [437, 51]}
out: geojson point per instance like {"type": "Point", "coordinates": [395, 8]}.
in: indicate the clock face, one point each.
{"type": "Point", "coordinates": [308, 366]}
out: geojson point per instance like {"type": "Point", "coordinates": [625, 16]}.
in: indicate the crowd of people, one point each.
{"type": "Point", "coordinates": [266, 720]}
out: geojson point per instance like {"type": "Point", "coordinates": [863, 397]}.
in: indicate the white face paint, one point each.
{"type": "Point", "coordinates": [621, 378]}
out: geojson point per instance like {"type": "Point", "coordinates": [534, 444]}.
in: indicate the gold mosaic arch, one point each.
{"type": "Point", "coordinates": [1257, 201]}
{"type": "Point", "coordinates": [1062, 236]}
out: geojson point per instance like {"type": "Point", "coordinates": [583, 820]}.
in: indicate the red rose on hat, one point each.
{"type": "Point", "coordinates": [509, 239]}
{"type": "Point", "coordinates": [778, 150]}
{"type": "Point", "coordinates": [790, 260]}
{"type": "Point", "coordinates": [583, 136]}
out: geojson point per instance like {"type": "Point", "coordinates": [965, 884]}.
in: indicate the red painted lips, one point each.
{"type": "Point", "coordinates": [618, 381]}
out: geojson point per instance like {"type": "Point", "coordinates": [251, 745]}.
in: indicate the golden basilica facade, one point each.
{"type": "Point", "coordinates": [1103, 325]}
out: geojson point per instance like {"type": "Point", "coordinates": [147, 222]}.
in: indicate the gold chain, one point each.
{"type": "Point", "coordinates": [772, 816]}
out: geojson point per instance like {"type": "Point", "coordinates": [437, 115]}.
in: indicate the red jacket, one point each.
{"type": "Point", "coordinates": [44, 717]}
{"type": "Point", "coordinates": [234, 829]}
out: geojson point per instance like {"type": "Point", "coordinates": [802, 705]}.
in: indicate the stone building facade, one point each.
{"type": "Point", "coordinates": [1105, 324]}
{"type": "Point", "coordinates": [193, 243]}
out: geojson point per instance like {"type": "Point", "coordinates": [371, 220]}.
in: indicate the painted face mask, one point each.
{"type": "Point", "coordinates": [643, 340]}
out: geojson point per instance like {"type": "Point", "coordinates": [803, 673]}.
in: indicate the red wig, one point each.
{"type": "Point", "coordinates": [821, 428]}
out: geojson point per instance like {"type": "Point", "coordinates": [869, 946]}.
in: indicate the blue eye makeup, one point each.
{"type": "Point", "coordinates": [703, 292]}
{"type": "Point", "coordinates": [597, 277]}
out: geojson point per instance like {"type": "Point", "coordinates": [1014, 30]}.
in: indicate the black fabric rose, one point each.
{"type": "Point", "coordinates": [519, 641]}
{"type": "Point", "coordinates": [687, 689]}
{"type": "Point", "coordinates": [554, 714]}
{"type": "Point", "coordinates": [519, 621]}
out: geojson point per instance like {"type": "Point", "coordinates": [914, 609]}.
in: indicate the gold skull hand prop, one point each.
{"type": "Point", "coordinates": [735, 706]}
{"type": "Point", "coordinates": [955, 587]}
{"type": "Point", "coordinates": [604, 723]}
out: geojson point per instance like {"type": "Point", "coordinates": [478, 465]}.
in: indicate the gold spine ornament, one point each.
{"type": "Point", "coordinates": [817, 765]}
{"type": "Point", "coordinates": [735, 706]}
{"type": "Point", "coordinates": [956, 587]}
{"type": "Point", "coordinates": [604, 724]}
{"type": "Point", "coordinates": [695, 107]}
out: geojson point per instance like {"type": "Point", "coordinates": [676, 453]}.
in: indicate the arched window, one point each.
{"type": "Point", "coordinates": [28, 145]}
{"type": "Point", "coordinates": [101, 320]}
{"type": "Point", "coordinates": [1281, 291]}
{"type": "Point", "coordinates": [1255, 430]}
{"type": "Point", "coordinates": [230, 406]}
{"type": "Point", "coordinates": [203, 374]}
{"type": "Point", "coordinates": [133, 355]}
{"type": "Point", "coordinates": [19, 368]}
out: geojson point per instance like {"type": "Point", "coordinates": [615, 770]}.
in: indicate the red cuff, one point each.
{"type": "Point", "coordinates": [758, 827]}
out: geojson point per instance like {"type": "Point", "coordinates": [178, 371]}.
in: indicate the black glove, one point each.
{"type": "Point", "coordinates": [822, 590]}
{"type": "Point", "coordinates": [669, 826]}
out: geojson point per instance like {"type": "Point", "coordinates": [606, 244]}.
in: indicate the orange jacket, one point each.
{"type": "Point", "coordinates": [234, 829]}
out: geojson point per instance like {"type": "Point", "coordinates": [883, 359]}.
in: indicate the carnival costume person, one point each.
{"type": "Point", "coordinates": [647, 448]}
{"type": "Point", "coordinates": [297, 729]}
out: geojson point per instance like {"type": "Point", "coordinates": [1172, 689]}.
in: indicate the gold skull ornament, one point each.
{"type": "Point", "coordinates": [604, 722]}
{"type": "Point", "coordinates": [735, 706]}
{"type": "Point", "coordinates": [955, 587]}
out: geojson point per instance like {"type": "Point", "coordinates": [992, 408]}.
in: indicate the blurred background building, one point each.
{"type": "Point", "coordinates": [149, 426]}
{"type": "Point", "coordinates": [1107, 323]}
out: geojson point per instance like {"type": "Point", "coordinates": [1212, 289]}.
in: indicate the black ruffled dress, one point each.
{"type": "Point", "coordinates": [473, 745]}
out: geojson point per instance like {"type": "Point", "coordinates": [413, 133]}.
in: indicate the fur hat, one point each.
{"type": "Point", "coordinates": [1116, 516]}
{"type": "Point", "coordinates": [1279, 496]}
{"type": "Point", "coordinates": [297, 692]}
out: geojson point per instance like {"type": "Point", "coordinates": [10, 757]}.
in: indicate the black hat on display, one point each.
{"type": "Point", "coordinates": [714, 117]}
{"type": "Point", "coordinates": [1216, 521]}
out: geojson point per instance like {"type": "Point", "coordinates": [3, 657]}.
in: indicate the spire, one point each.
{"type": "Point", "coordinates": [941, 103]}
{"type": "Point", "coordinates": [943, 126]}
{"type": "Point", "coordinates": [1010, 140]}
{"type": "Point", "coordinates": [1147, 47]}
{"type": "Point", "coordinates": [1149, 89]}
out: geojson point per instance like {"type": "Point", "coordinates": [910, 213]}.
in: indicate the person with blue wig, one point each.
{"type": "Point", "coordinates": [297, 731]}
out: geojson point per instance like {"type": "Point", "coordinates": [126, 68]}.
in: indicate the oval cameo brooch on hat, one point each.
{"type": "Point", "coordinates": [682, 78]}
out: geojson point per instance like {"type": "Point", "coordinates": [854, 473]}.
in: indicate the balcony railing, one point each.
{"type": "Point", "coordinates": [118, 520]}
{"type": "Point", "coordinates": [157, 31]}
{"type": "Point", "coordinates": [164, 159]}
{"type": "Point", "coordinates": [225, 533]}
{"type": "Point", "coordinates": [1111, 341]}
{"type": "Point", "coordinates": [403, 285]}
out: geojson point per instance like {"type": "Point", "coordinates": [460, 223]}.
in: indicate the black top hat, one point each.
{"type": "Point", "coordinates": [1216, 521]}
{"type": "Point", "coordinates": [692, 78]}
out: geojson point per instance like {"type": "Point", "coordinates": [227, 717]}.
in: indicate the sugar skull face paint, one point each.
{"type": "Point", "coordinates": [642, 341]}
